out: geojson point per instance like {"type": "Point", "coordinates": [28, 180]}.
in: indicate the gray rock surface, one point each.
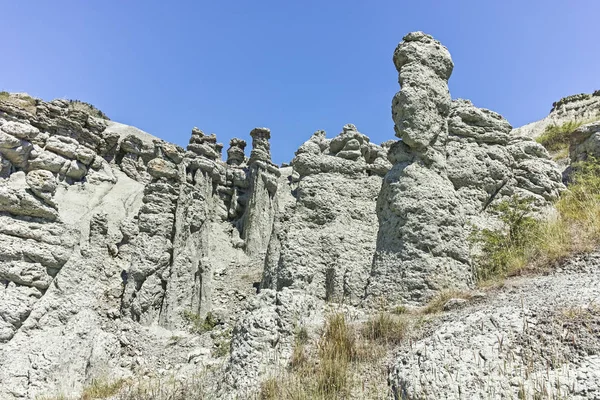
{"type": "Point", "coordinates": [536, 338]}
{"type": "Point", "coordinates": [585, 143]}
{"type": "Point", "coordinates": [325, 236]}
{"type": "Point", "coordinates": [113, 241]}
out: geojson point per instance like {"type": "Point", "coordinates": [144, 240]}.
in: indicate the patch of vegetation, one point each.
{"type": "Point", "coordinates": [399, 310]}
{"type": "Point", "coordinates": [436, 304]}
{"type": "Point", "coordinates": [98, 389]}
{"type": "Point", "coordinates": [20, 100]}
{"type": "Point", "coordinates": [196, 387]}
{"type": "Point", "coordinates": [527, 243]}
{"type": "Point", "coordinates": [197, 324]}
{"type": "Point", "coordinates": [87, 108]}
{"type": "Point", "coordinates": [555, 138]}
{"type": "Point", "coordinates": [385, 328]}
{"type": "Point", "coordinates": [504, 251]}
{"type": "Point", "coordinates": [222, 344]}
{"type": "Point", "coordinates": [101, 389]}
{"type": "Point", "coordinates": [335, 366]}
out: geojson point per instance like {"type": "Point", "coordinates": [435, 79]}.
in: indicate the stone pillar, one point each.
{"type": "Point", "coordinates": [261, 207]}
{"type": "Point", "coordinates": [205, 145]}
{"type": "Point", "coordinates": [261, 148]}
{"type": "Point", "coordinates": [235, 152]}
{"type": "Point", "coordinates": [421, 245]}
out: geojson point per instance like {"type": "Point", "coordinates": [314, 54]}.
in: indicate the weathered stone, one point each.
{"type": "Point", "coordinates": [261, 149]}
{"type": "Point", "coordinates": [235, 153]}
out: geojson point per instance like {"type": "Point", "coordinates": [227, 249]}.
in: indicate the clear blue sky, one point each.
{"type": "Point", "coordinates": [293, 66]}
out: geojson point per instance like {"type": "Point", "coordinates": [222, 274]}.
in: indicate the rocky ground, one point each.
{"type": "Point", "coordinates": [536, 337]}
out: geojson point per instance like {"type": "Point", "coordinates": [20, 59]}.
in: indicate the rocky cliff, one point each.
{"type": "Point", "coordinates": [123, 255]}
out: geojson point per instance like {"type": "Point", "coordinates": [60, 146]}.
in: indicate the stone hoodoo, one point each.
{"type": "Point", "coordinates": [421, 244]}
{"type": "Point", "coordinates": [235, 152]}
{"type": "Point", "coordinates": [261, 148]}
{"type": "Point", "coordinates": [262, 204]}
{"type": "Point", "coordinates": [323, 241]}
{"type": "Point", "coordinates": [453, 161]}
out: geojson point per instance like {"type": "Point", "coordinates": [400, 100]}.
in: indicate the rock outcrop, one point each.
{"type": "Point", "coordinates": [325, 238]}
{"type": "Point", "coordinates": [166, 233]}
{"type": "Point", "coordinates": [585, 143]}
{"type": "Point", "coordinates": [576, 108]}
{"type": "Point", "coordinates": [452, 162]}
{"type": "Point", "coordinates": [114, 242]}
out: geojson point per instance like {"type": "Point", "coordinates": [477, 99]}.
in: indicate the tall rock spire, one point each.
{"type": "Point", "coordinates": [421, 244]}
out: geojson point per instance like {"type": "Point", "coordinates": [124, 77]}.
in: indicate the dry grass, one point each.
{"type": "Point", "coordinates": [345, 361]}
{"type": "Point", "coordinates": [101, 389]}
{"type": "Point", "coordinates": [196, 388]}
{"type": "Point", "coordinates": [555, 138]}
{"type": "Point", "coordinates": [436, 304]}
{"type": "Point", "coordinates": [20, 100]}
{"type": "Point", "coordinates": [98, 389]}
{"type": "Point", "coordinates": [385, 328]}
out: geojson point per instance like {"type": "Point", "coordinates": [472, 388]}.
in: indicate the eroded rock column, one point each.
{"type": "Point", "coordinates": [260, 211]}
{"type": "Point", "coordinates": [421, 244]}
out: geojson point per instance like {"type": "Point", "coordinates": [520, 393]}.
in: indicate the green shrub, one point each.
{"type": "Point", "coordinates": [504, 251]}
{"type": "Point", "coordinates": [530, 244]}
{"type": "Point", "coordinates": [197, 324]}
{"type": "Point", "coordinates": [556, 137]}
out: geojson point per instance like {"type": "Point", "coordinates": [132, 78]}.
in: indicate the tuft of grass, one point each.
{"type": "Point", "coordinates": [532, 244]}
{"type": "Point", "coordinates": [197, 324]}
{"type": "Point", "coordinates": [323, 375]}
{"type": "Point", "coordinates": [436, 304]}
{"type": "Point", "coordinates": [556, 138]}
{"type": "Point", "coordinates": [335, 367]}
{"type": "Point", "coordinates": [101, 389]}
{"type": "Point", "coordinates": [197, 387]}
{"type": "Point", "coordinates": [20, 100]}
{"type": "Point", "coordinates": [385, 328]}
{"type": "Point", "coordinates": [399, 310]}
{"type": "Point", "coordinates": [270, 389]}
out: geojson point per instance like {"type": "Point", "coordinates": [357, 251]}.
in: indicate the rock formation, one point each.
{"type": "Point", "coordinates": [452, 162]}
{"type": "Point", "coordinates": [114, 242]}
{"type": "Point", "coordinates": [325, 239]}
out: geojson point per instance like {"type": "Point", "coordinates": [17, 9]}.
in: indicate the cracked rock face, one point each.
{"type": "Point", "coordinates": [106, 229]}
